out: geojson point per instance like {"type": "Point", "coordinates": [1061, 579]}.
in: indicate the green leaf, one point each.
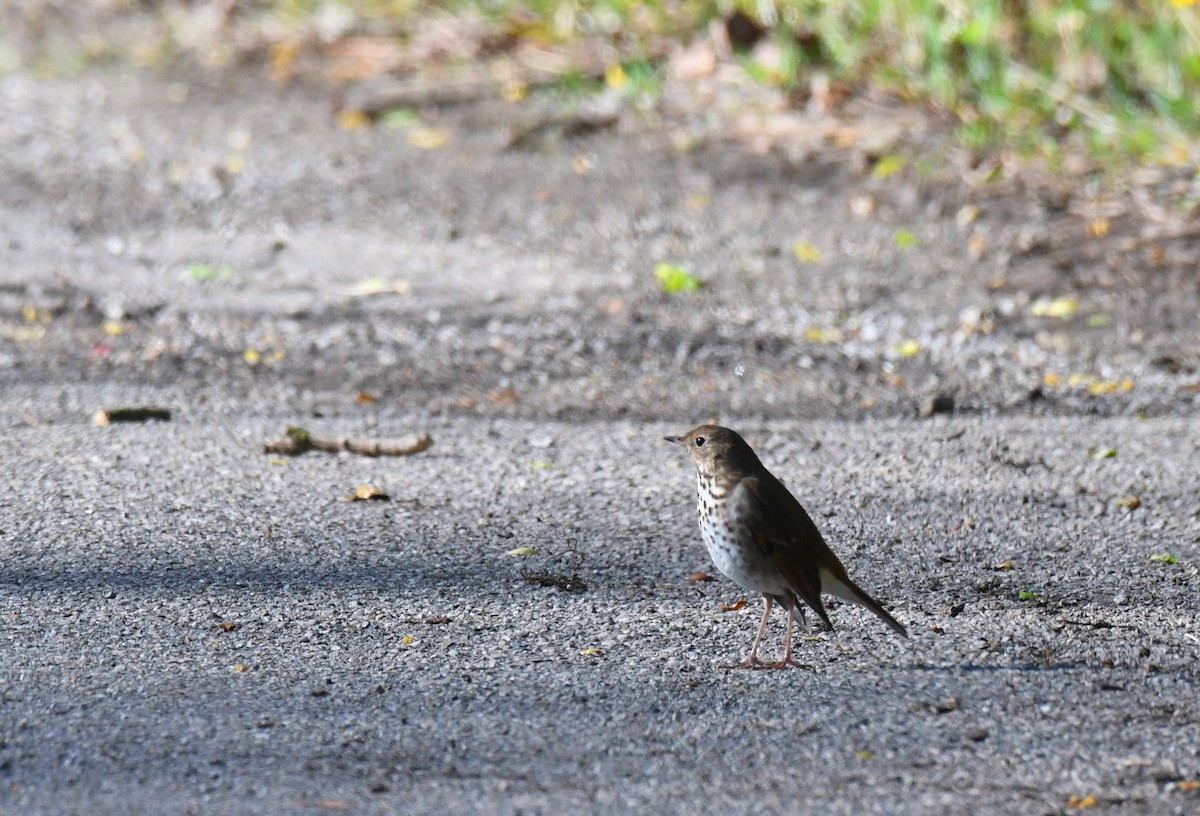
{"type": "Point", "coordinates": [905, 239]}
{"type": "Point", "coordinates": [208, 272]}
{"type": "Point", "coordinates": [523, 551]}
{"type": "Point", "coordinates": [1026, 595]}
{"type": "Point", "coordinates": [400, 117]}
{"type": "Point", "coordinates": [675, 279]}
{"type": "Point", "coordinates": [1103, 453]}
{"type": "Point", "coordinates": [1164, 559]}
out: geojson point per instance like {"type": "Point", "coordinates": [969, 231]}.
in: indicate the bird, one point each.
{"type": "Point", "coordinates": [759, 536]}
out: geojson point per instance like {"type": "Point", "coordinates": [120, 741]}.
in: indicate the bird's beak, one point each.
{"type": "Point", "coordinates": [675, 439]}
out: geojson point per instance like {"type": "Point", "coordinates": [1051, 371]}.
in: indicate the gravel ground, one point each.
{"type": "Point", "coordinates": [193, 626]}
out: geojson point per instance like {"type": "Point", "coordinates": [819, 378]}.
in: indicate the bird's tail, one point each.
{"type": "Point", "coordinates": [847, 590]}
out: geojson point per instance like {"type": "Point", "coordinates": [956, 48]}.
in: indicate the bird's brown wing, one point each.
{"type": "Point", "coordinates": [787, 536]}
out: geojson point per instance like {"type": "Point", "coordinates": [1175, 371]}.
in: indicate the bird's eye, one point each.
{"type": "Point", "coordinates": [700, 440]}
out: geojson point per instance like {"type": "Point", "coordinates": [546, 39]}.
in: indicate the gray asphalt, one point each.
{"type": "Point", "coordinates": [193, 626]}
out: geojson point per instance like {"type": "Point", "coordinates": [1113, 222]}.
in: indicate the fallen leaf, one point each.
{"type": "Point", "coordinates": [283, 60]}
{"type": "Point", "coordinates": [278, 461]}
{"type": "Point", "coordinates": [377, 286]}
{"type": "Point", "coordinates": [400, 117]}
{"type": "Point", "coordinates": [909, 348]}
{"type": "Point", "coordinates": [1103, 453]}
{"type": "Point", "coordinates": [408, 640]}
{"type": "Point", "coordinates": [615, 76]}
{"type": "Point", "coordinates": [1105, 387]}
{"type": "Point", "coordinates": [1189, 785]}
{"type": "Point", "coordinates": [1052, 380]}
{"type": "Point", "coordinates": [241, 667]}
{"type": "Point", "coordinates": [1088, 801]}
{"type": "Point", "coordinates": [591, 651]}
{"type": "Point", "coordinates": [1026, 595]}
{"type": "Point", "coordinates": [503, 396]}
{"type": "Point", "coordinates": [1003, 565]}
{"type": "Point", "coordinates": [697, 577]}
{"type": "Point", "coordinates": [740, 603]}
{"type": "Point", "coordinates": [427, 138]}
{"type": "Point", "coordinates": [966, 215]}
{"type": "Point", "coordinates": [365, 398]}
{"type": "Point", "coordinates": [514, 91]}
{"type": "Point", "coordinates": [252, 356]}
{"type": "Point", "coordinates": [864, 754]}
{"type": "Point", "coordinates": [581, 164]}
{"type": "Point", "coordinates": [1098, 321]}
{"type": "Point", "coordinates": [822, 334]}
{"type": "Point", "coordinates": [905, 239]}
{"type": "Point", "coordinates": [228, 626]}
{"type": "Point", "coordinates": [1130, 502]}
{"type": "Point", "coordinates": [675, 279]}
{"type": "Point", "coordinates": [542, 464]}
{"type": "Point", "coordinates": [1099, 227]}
{"type": "Point", "coordinates": [207, 272]}
{"type": "Point", "coordinates": [368, 492]}
{"type": "Point", "coordinates": [1164, 559]}
{"type": "Point", "coordinates": [353, 120]}
{"type": "Point", "coordinates": [1062, 308]}
{"type": "Point", "coordinates": [888, 166]}
{"type": "Point", "coordinates": [806, 253]}
{"type": "Point", "coordinates": [114, 328]}
{"type": "Point", "coordinates": [522, 551]}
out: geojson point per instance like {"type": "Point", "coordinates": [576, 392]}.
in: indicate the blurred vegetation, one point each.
{"type": "Point", "coordinates": [1119, 78]}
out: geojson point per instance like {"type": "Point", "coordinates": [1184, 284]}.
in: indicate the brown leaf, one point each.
{"type": "Point", "coordinates": [365, 398]}
{"type": "Point", "coordinates": [228, 626]}
{"type": "Point", "coordinates": [740, 603]}
{"type": "Point", "coordinates": [696, 577]}
{"type": "Point", "coordinates": [503, 396]}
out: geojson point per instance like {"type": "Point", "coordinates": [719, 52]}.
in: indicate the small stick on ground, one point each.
{"type": "Point", "coordinates": [111, 415]}
{"type": "Point", "coordinates": [297, 440]}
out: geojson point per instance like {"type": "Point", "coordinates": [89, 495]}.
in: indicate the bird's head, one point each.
{"type": "Point", "coordinates": [714, 448]}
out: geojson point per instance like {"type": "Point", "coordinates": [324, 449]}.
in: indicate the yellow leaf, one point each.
{"type": "Point", "coordinates": [353, 120]}
{"type": "Point", "coordinates": [428, 138]}
{"type": "Point", "coordinates": [252, 356]}
{"type": "Point", "coordinates": [909, 348]}
{"type": "Point", "coordinates": [114, 328]}
{"type": "Point", "coordinates": [368, 492]}
{"type": "Point", "coordinates": [821, 334]}
{"type": "Point", "coordinates": [523, 551]}
{"type": "Point", "coordinates": [1130, 502]}
{"type": "Point", "coordinates": [1060, 307]}
{"type": "Point", "coordinates": [888, 166]}
{"type": "Point", "coordinates": [378, 286]}
{"type": "Point", "coordinates": [1106, 387]}
{"type": "Point", "coordinates": [615, 76]}
{"type": "Point", "coordinates": [1098, 228]}
{"type": "Point", "coordinates": [806, 252]}
{"type": "Point", "coordinates": [283, 60]}
{"type": "Point", "coordinates": [591, 651]}
{"type": "Point", "coordinates": [1076, 380]}
{"type": "Point", "coordinates": [241, 667]}
{"type": "Point", "coordinates": [966, 215]}
{"type": "Point", "coordinates": [407, 640]}
{"type": "Point", "coordinates": [514, 91]}
{"type": "Point", "coordinates": [278, 461]}
{"type": "Point", "coordinates": [865, 754]}
{"type": "Point", "coordinates": [1052, 380]}
{"type": "Point", "coordinates": [30, 314]}
{"type": "Point", "coordinates": [541, 464]}
{"type": "Point", "coordinates": [1088, 801]}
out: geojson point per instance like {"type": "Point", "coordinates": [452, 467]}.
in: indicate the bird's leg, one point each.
{"type": "Point", "coordinates": [752, 660]}
{"type": "Point", "coordinates": [787, 654]}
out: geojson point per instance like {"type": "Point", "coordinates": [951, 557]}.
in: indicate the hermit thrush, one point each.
{"type": "Point", "coordinates": [759, 536]}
